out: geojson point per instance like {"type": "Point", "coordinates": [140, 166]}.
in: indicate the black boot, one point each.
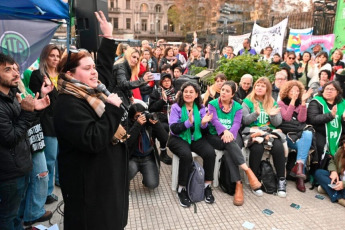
{"type": "Point", "coordinates": [164, 157]}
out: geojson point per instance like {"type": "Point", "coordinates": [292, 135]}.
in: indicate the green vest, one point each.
{"type": "Point", "coordinates": [263, 118]}
{"type": "Point", "coordinates": [334, 127]}
{"type": "Point", "coordinates": [226, 119]}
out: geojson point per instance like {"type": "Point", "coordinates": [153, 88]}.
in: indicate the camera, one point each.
{"type": "Point", "coordinates": [152, 116]}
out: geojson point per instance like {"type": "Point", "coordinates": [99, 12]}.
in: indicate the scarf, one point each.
{"type": "Point", "coordinates": [187, 135]}
{"type": "Point", "coordinates": [334, 127]}
{"type": "Point", "coordinates": [71, 86]}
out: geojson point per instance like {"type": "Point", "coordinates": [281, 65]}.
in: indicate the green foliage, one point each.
{"type": "Point", "coordinates": [195, 70]}
{"type": "Point", "coordinates": [236, 67]}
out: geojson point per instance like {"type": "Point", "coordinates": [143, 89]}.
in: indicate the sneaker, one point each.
{"type": "Point", "coordinates": [321, 190]}
{"type": "Point", "coordinates": [184, 199]}
{"type": "Point", "coordinates": [51, 199]}
{"type": "Point", "coordinates": [258, 192]}
{"type": "Point", "coordinates": [46, 216]}
{"type": "Point", "coordinates": [209, 198]}
{"type": "Point", "coordinates": [282, 187]}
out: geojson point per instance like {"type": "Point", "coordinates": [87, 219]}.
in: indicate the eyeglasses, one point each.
{"type": "Point", "coordinates": [75, 51]}
{"type": "Point", "coordinates": [330, 89]}
{"type": "Point", "coordinates": [291, 58]}
{"type": "Point", "coordinates": [280, 79]}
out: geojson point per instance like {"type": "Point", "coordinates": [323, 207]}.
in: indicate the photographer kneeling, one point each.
{"type": "Point", "coordinates": [143, 153]}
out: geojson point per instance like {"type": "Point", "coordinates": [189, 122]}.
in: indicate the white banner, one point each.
{"type": "Point", "coordinates": [237, 41]}
{"type": "Point", "coordinates": [273, 36]}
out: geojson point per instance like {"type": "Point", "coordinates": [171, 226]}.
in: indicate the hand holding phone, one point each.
{"type": "Point", "coordinates": [331, 185]}
{"type": "Point", "coordinates": [156, 76]}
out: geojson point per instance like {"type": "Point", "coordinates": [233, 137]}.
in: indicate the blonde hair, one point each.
{"type": "Point", "coordinates": [135, 69]}
{"type": "Point", "coordinates": [268, 101]}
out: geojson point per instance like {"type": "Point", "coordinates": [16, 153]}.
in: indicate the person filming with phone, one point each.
{"type": "Point", "coordinates": [143, 153]}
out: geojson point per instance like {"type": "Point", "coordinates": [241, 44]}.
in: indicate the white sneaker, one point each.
{"type": "Point", "coordinates": [258, 192]}
{"type": "Point", "coordinates": [281, 194]}
{"type": "Point", "coordinates": [321, 190]}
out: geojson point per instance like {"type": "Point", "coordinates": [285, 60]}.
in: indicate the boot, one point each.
{"type": "Point", "coordinates": [253, 181]}
{"type": "Point", "coordinates": [164, 157]}
{"type": "Point", "coordinates": [297, 171]}
{"type": "Point", "coordinates": [300, 185]}
{"type": "Point", "coordinates": [238, 197]}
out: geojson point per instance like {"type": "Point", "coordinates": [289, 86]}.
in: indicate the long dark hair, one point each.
{"type": "Point", "coordinates": [336, 85]}
{"type": "Point", "coordinates": [198, 100]}
{"type": "Point", "coordinates": [133, 109]}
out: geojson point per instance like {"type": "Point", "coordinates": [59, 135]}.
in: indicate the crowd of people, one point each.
{"type": "Point", "coordinates": [91, 127]}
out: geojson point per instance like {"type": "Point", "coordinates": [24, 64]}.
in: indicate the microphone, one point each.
{"type": "Point", "coordinates": [101, 88]}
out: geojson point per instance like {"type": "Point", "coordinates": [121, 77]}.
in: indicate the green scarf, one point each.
{"type": "Point", "coordinates": [334, 127]}
{"type": "Point", "coordinates": [187, 135]}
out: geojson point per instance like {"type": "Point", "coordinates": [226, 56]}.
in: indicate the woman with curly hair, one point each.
{"type": "Point", "coordinates": [188, 118]}
{"type": "Point", "coordinates": [294, 113]}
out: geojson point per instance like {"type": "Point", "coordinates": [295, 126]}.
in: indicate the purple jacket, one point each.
{"type": "Point", "coordinates": [219, 127]}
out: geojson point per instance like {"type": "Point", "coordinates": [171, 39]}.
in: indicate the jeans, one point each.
{"type": "Point", "coordinates": [302, 145]}
{"type": "Point", "coordinates": [32, 206]}
{"type": "Point", "coordinates": [147, 167]}
{"type": "Point", "coordinates": [51, 152]}
{"type": "Point", "coordinates": [11, 194]}
{"type": "Point", "coordinates": [322, 176]}
{"type": "Point", "coordinates": [183, 150]}
{"type": "Point", "coordinates": [145, 97]}
{"type": "Point", "coordinates": [232, 155]}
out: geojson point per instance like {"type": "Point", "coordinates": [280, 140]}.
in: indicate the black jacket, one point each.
{"type": "Point", "coordinates": [15, 155]}
{"type": "Point", "coordinates": [241, 94]}
{"type": "Point", "coordinates": [121, 83]}
{"type": "Point", "coordinates": [46, 116]}
{"type": "Point", "coordinates": [164, 61]}
{"type": "Point", "coordinates": [275, 92]}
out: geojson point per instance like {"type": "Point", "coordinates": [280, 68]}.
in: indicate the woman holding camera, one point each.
{"type": "Point", "coordinates": [225, 123]}
{"type": "Point", "coordinates": [261, 116]}
{"type": "Point", "coordinates": [93, 171]}
{"type": "Point", "coordinates": [332, 180]}
{"type": "Point", "coordinates": [187, 120]}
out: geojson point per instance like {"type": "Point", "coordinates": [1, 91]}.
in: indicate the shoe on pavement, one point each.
{"type": "Point", "coordinates": [51, 199]}
{"type": "Point", "coordinates": [165, 158]}
{"type": "Point", "coordinates": [281, 187]}
{"type": "Point", "coordinates": [258, 192]}
{"type": "Point", "coordinates": [321, 190]}
{"type": "Point", "coordinates": [209, 198]}
{"type": "Point", "coordinates": [46, 216]}
{"type": "Point", "coordinates": [184, 199]}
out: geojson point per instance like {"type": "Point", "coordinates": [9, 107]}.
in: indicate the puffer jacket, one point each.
{"type": "Point", "coordinates": [15, 155]}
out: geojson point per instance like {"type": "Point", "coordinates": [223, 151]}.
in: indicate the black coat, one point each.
{"type": "Point", "coordinates": [241, 94]}
{"type": "Point", "coordinates": [121, 83]}
{"type": "Point", "coordinates": [46, 115]}
{"type": "Point", "coordinates": [93, 172]}
{"type": "Point", "coordinates": [15, 155]}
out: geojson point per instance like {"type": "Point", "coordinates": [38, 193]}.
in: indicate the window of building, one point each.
{"type": "Point", "coordinates": [128, 4]}
{"type": "Point", "coordinates": [158, 8]}
{"type": "Point", "coordinates": [116, 23]}
{"type": "Point", "coordinates": [128, 23]}
{"type": "Point", "coordinates": [111, 4]}
{"type": "Point", "coordinates": [144, 24]}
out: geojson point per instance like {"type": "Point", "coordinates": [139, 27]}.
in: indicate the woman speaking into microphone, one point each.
{"type": "Point", "coordinates": [93, 171]}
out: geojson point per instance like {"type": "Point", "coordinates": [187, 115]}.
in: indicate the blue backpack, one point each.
{"type": "Point", "coordinates": [196, 183]}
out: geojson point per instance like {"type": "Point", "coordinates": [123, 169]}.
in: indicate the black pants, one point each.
{"type": "Point", "coordinates": [320, 144]}
{"type": "Point", "coordinates": [232, 154]}
{"type": "Point", "coordinates": [184, 151]}
{"type": "Point", "coordinates": [277, 151]}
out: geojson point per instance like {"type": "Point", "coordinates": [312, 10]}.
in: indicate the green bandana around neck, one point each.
{"type": "Point", "coordinates": [187, 135]}
{"type": "Point", "coordinates": [334, 127]}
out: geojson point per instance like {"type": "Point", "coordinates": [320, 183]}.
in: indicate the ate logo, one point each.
{"type": "Point", "coordinates": [14, 44]}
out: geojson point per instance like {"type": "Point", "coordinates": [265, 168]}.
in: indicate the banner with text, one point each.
{"type": "Point", "coordinates": [294, 42]}
{"type": "Point", "coordinates": [309, 41]}
{"type": "Point", "coordinates": [237, 41]}
{"type": "Point", "coordinates": [272, 36]}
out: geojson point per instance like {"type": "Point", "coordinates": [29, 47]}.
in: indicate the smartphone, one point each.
{"type": "Point", "coordinates": [320, 197]}
{"type": "Point", "coordinates": [331, 185]}
{"type": "Point", "coordinates": [267, 212]}
{"type": "Point", "coordinates": [296, 206]}
{"type": "Point", "coordinates": [156, 76]}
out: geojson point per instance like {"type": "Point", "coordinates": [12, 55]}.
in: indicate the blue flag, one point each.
{"type": "Point", "coordinates": [25, 39]}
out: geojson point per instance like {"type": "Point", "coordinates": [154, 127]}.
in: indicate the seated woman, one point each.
{"type": "Point", "coordinates": [226, 121]}
{"type": "Point", "coordinates": [294, 112]}
{"type": "Point", "coordinates": [326, 114]}
{"type": "Point", "coordinates": [187, 120]}
{"type": "Point", "coordinates": [143, 154]}
{"type": "Point", "coordinates": [261, 113]}
{"type": "Point", "coordinates": [332, 180]}
{"type": "Point", "coordinates": [213, 91]}
{"type": "Point", "coordinates": [160, 100]}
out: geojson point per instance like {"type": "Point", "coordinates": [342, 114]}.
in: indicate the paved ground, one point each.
{"type": "Point", "coordinates": [159, 209]}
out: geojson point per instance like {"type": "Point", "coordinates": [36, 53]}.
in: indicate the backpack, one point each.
{"type": "Point", "coordinates": [196, 183]}
{"type": "Point", "coordinates": [225, 178]}
{"type": "Point", "coordinates": [267, 177]}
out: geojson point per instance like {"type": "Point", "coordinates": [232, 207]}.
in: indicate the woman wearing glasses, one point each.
{"type": "Point", "coordinates": [294, 68]}
{"type": "Point", "coordinates": [125, 81]}
{"type": "Point", "coordinates": [93, 171]}
{"type": "Point", "coordinates": [326, 114]}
